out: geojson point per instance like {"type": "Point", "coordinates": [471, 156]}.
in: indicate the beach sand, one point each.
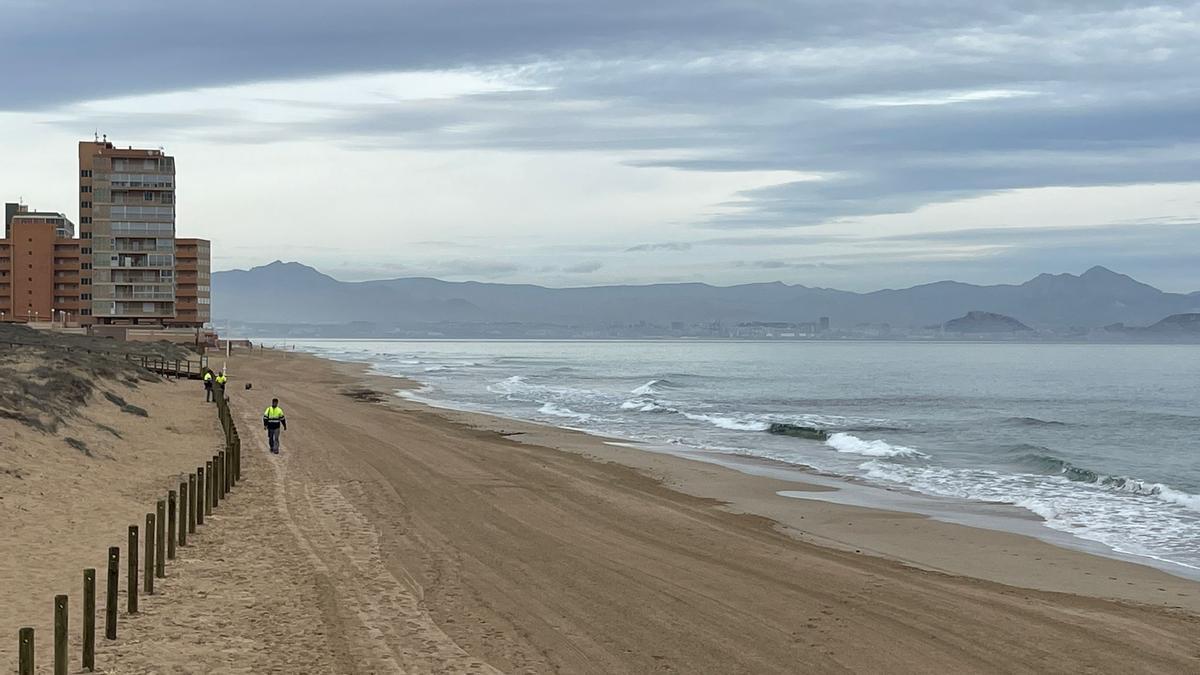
{"type": "Point", "coordinates": [392, 537]}
{"type": "Point", "coordinates": [61, 507]}
{"type": "Point", "coordinates": [449, 545]}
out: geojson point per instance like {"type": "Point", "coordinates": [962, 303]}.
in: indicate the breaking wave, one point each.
{"type": "Point", "coordinates": [846, 443]}
{"type": "Point", "coordinates": [652, 387]}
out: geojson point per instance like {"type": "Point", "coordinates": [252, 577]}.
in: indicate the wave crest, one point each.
{"type": "Point", "coordinates": [846, 443]}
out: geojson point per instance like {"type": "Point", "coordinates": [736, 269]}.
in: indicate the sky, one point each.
{"type": "Point", "coordinates": [861, 144]}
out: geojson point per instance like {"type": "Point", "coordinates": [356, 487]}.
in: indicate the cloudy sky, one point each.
{"type": "Point", "coordinates": [857, 144]}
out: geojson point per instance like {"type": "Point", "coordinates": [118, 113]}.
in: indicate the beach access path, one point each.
{"type": "Point", "coordinates": [430, 544]}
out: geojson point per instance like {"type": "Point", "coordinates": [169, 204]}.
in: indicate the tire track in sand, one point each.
{"type": "Point", "coordinates": [389, 629]}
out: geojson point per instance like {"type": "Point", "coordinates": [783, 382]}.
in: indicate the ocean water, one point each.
{"type": "Point", "coordinates": [1099, 440]}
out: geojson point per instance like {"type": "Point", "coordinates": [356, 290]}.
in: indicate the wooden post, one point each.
{"type": "Point", "coordinates": [223, 474]}
{"type": "Point", "coordinates": [191, 502]}
{"type": "Point", "coordinates": [148, 561]}
{"type": "Point", "coordinates": [25, 645]}
{"type": "Point", "coordinates": [110, 592]}
{"type": "Point", "coordinates": [208, 486]}
{"type": "Point", "coordinates": [89, 618]}
{"type": "Point", "coordinates": [132, 581]}
{"type": "Point", "coordinates": [183, 513]}
{"type": "Point", "coordinates": [60, 635]}
{"type": "Point", "coordinates": [201, 496]}
{"type": "Point", "coordinates": [171, 517]}
{"type": "Point", "coordinates": [160, 540]}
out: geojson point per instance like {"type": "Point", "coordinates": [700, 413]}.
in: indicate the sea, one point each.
{"type": "Point", "coordinates": [1099, 442]}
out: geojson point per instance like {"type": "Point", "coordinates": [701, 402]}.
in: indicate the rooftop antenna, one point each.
{"type": "Point", "coordinates": [96, 135]}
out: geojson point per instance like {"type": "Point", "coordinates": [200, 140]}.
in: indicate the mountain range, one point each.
{"type": "Point", "coordinates": [292, 293]}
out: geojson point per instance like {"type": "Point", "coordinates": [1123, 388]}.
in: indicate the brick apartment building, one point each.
{"type": "Point", "coordinates": [39, 267]}
{"type": "Point", "coordinates": [126, 267]}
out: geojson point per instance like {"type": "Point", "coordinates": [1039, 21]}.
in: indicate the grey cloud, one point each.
{"type": "Point", "coordinates": [665, 246]}
{"type": "Point", "coordinates": [486, 269]}
{"type": "Point", "coordinates": [583, 267]}
{"type": "Point", "coordinates": [698, 85]}
{"type": "Point", "coordinates": [786, 265]}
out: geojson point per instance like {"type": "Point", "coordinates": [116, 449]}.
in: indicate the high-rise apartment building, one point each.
{"type": "Point", "coordinates": [127, 232]}
{"type": "Point", "coordinates": [40, 265]}
{"type": "Point", "coordinates": [125, 268]}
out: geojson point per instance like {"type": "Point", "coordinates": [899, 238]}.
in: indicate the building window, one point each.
{"type": "Point", "coordinates": [85, 281]}
{"type": "Point", "coordinates": [85, 251]}
{"type": "Point", "coordinates": [85, 205]}
{"type": "Point", "coordinates": [85, 296]}
{"type": "Point", "coordinates": [148, 196]}
{"type": "Point", "coordinates": [86, 235]}
{"type": "Point", "coordinates": [86, 266]}
{"type": "Point", "coordinates": [85, 312]}
{"type": "Point", "coordinates": [86, 173]}
{"type": "Point", "coordinates": [85, 188]}
{"type": "Point", "coordinates": [86, 220]}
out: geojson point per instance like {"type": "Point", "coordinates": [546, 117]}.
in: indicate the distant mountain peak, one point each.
{"type": "Point", "coordinates": [1099, 272]}
{"type": "Point", "coordinates": [977, 322]}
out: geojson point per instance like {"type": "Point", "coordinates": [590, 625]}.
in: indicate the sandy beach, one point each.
{"type": "Point", "coordinates": [392, 537]}
{"type": "Point", "coordinates": [451, 544]}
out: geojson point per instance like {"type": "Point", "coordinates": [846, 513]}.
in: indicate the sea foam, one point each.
{"type": "Point", "coordinates": [853, 445]}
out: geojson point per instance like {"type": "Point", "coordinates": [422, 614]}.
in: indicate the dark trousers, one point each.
{"type": "Point", "coordinates": [273, 439]}
{"type": "Point", "coordinates": [208, 393]}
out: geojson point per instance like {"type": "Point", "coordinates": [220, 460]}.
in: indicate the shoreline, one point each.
{"type": "Point", "coordinates": [443, 541]}
{"type": "Point", "coordinates": [975, 529]}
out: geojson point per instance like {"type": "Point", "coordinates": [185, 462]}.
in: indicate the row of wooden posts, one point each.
{"type": "Point", "coordinates": [173, 520]}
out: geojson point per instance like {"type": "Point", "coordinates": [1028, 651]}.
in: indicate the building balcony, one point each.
{"type": "Point", "coordinates": [137, 312]}
{"type": "Point", "coordinates": [144, 295]}
{"type": "Point", "coordinates": [120, 185]}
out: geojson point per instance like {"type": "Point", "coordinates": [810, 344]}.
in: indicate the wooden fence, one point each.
{"type": "Point", "coordinates": [167, 528]}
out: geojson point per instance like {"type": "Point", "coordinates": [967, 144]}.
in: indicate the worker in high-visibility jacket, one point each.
{"type": "Point", "coordinates": [221, 380]}
{"type": "Point", "coordinates": [208, 386]}
{"type": "Point", "coordinates": [273, 420]}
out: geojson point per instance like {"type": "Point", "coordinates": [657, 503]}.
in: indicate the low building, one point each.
{"type": "Point", "coordinates": [193, 290]}
{"type": "Point", "coordinates": [40, 268]}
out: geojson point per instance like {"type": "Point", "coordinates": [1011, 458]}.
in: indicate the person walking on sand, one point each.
{"type": "Point", "coordinates": [273, 420]}
{"type": "Point", "coordinates": [221, 380]}
{"type": "Point", "coordinates": [208, 386]}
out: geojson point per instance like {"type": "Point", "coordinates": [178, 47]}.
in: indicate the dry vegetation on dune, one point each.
{"type": "Point", "coordinates": [27, 336]}
{"type": "Point", "coordinates": [48, 377]}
